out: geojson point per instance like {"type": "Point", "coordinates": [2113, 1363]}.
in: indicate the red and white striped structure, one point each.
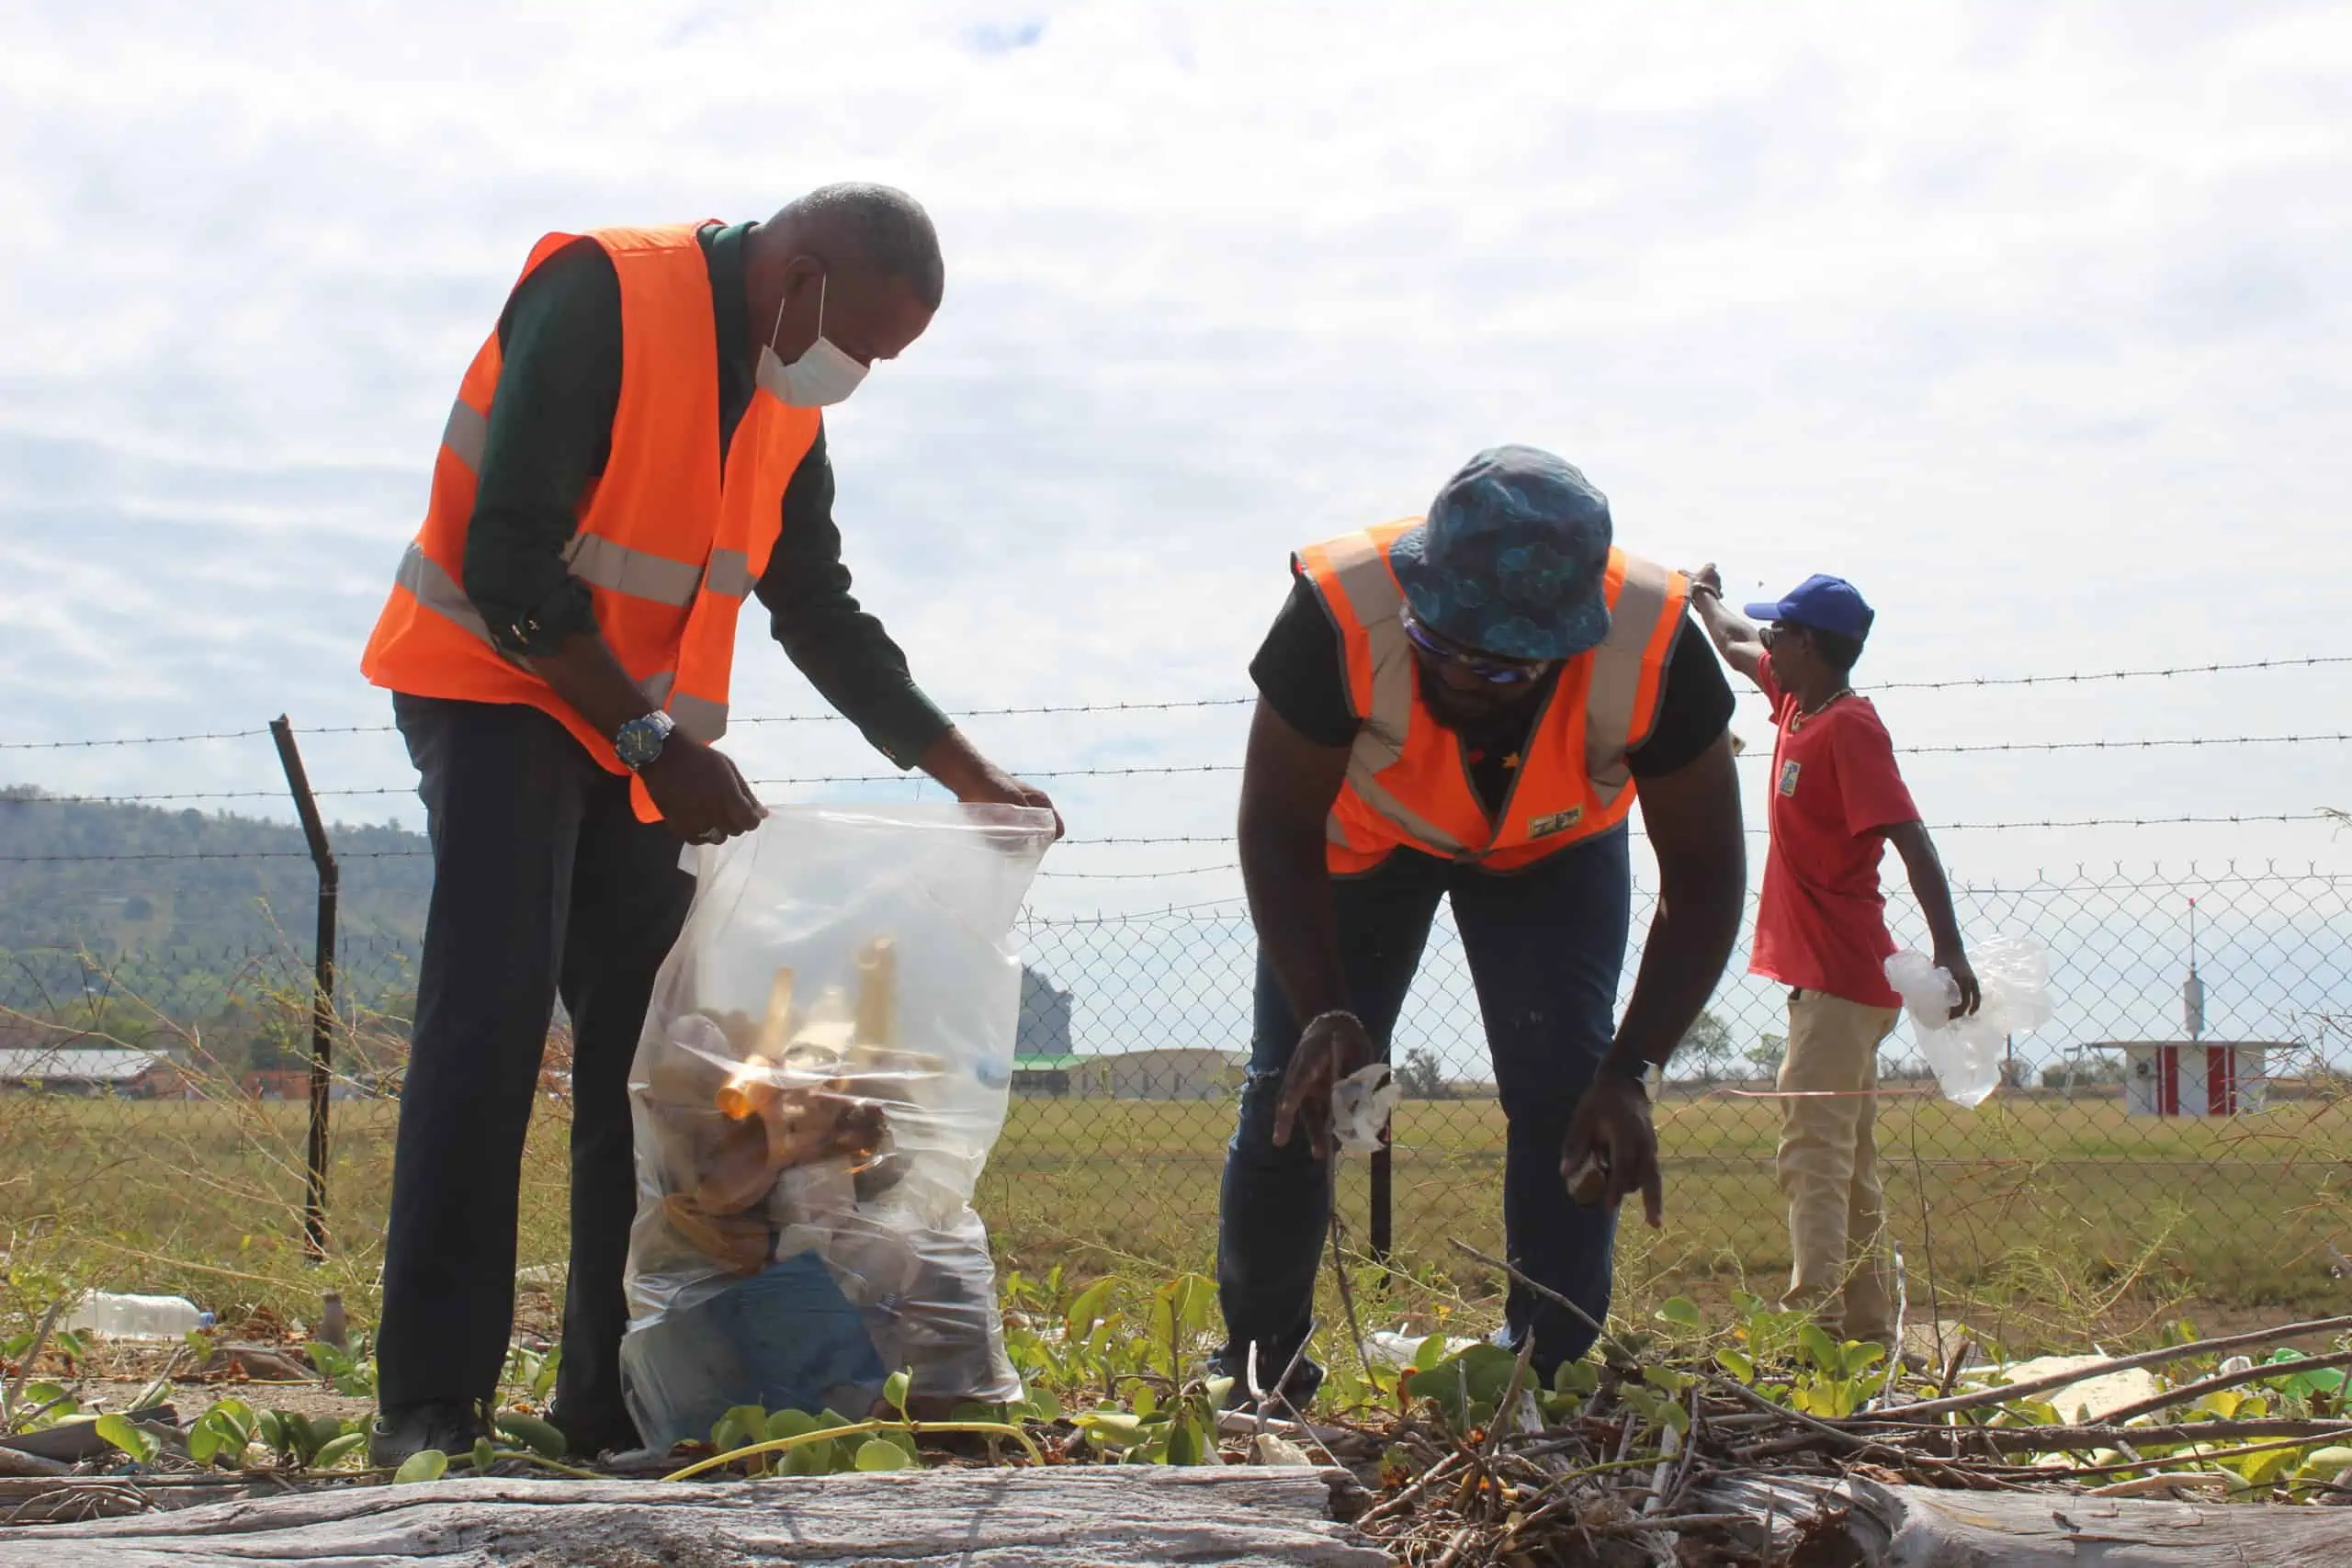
{"type": "Point", "coordinates": [2193, 1077]}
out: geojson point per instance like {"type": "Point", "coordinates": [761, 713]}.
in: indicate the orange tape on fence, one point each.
{"type": "Point", "coordinates": [1812, 1093]}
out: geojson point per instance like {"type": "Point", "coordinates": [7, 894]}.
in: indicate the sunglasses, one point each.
{"type": "Point", "coordinates": [1486, 667]}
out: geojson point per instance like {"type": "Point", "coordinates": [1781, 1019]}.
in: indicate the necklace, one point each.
{"type": "Point", "coordinates": [1797, 719]}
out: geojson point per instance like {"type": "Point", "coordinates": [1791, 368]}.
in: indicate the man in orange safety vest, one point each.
{"type": "Point", "coordinates": [1466, 707]}
{"type": "Point", "coordinates": [636, 450]}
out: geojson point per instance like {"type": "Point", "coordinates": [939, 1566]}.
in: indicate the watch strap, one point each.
{"type": "Point", "coordinates": [640, 741]}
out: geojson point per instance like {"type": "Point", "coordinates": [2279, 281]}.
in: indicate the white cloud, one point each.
{"type": "Point", "coordinates": [2031, 320]}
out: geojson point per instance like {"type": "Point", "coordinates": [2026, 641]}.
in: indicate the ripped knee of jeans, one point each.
{"type": "Point", "coordinates": [1262, 1091]}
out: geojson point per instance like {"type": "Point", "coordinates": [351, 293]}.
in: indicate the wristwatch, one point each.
{"type": "Point", "coordinates": [1639, 1071]}
{"type": "Point", "coordinates": [640, 740]}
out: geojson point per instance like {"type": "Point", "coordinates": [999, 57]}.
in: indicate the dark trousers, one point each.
{"type": "Point", "coordinates": [1545, 947]}
{"type": "Point", "coordinates": [544, 883]}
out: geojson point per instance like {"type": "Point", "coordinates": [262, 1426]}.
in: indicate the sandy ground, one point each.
{"type": "Point", "coordinates": [116, 1371]}
{"type": "Point", "coordinates": [190, 1399]}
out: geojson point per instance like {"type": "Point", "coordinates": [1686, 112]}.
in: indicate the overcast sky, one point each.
{"type": "Point", "coordinates": [2029, 318]}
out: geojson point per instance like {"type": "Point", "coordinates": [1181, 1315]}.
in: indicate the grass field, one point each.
{"type": "Point", "coordinates": [2040, 1215]}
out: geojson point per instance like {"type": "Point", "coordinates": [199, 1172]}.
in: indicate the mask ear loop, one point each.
{"type": "Point", "coordinates": [822, 279]}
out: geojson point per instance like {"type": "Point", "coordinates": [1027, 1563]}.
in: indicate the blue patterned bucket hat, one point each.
{"type": "Point", "coordinates": [1510, 558]}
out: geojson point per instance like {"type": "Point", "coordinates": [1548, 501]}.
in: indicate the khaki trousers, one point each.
{"type": "Point", "coordinates": [1828, 1166]}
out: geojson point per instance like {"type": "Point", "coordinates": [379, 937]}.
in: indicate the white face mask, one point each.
{"type": "Point", "coordinates": [818, 379]}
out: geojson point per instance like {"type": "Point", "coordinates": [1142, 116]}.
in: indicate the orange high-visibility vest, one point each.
{"type": "Point", "coordinates": [668, 545]}
{"type": "Point", "coordinates": [1408, 781]}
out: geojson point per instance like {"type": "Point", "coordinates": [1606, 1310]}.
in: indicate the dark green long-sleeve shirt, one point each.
{"type": "Point", "coordinates": [550, 435]}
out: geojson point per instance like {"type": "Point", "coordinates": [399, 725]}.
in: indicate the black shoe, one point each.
{"type": "Point", "coordinates": [449, 1425]}
{"type": "Point", "coordinates": [1295, 1395]}
{"type": "Point", "coordinates": [589, 1437]}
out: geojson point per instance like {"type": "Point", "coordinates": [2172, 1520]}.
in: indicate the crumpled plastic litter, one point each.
{"type": "Point", "coordinates": [1360, 1104]}
{"type": "Point", "coordinates": [2013, 973]}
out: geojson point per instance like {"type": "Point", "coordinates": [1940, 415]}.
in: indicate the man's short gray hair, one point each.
{"type": "Point", "coordinates": [873, 226]}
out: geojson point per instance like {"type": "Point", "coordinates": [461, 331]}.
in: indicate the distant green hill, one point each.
{"type": "Point", "coordinates": [188, 911]}
{"type": "Point", "coordinates": [112, 914]}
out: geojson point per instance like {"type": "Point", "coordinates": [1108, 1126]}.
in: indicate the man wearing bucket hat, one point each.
{"type": "Point", "coordinates": [1837, 798]}
{"type": "Point", "coordinates": [1466, 707]}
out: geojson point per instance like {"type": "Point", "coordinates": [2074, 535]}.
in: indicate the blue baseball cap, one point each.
{"type": "Point", "coordinates": [1825, 604]}
{"type": "Point", "coordinates": [1512, 556]}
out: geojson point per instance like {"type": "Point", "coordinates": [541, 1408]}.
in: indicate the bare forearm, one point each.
{"type": "Point", "coordinates": [957, 764]}
{"type": "Point", "coordinates": [974, 780]}
{"type": "Point", "coordinates": [584, 672]}
{"type": "Point", "coordinates": [1734, 635]}
{"type": "Point", "coordinates": [1289, 885]}
{"type": "Point", "coordinates": [1693, 819]}
{"type": "Point", "coordinates": [1725, 625]}
{"type": "Point", "coordinates": [1930, 885]}
{"type": "Point", "coordinates": [1690, 940]}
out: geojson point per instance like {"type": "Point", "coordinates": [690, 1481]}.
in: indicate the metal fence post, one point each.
{"type": "Point", "coordinates": [1380, 1197]}
{"type": "Point", "coordinates": [314, 1198]}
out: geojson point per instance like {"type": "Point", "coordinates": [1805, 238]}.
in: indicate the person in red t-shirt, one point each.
{"type": "Point", "coordinates": [1836, 800]}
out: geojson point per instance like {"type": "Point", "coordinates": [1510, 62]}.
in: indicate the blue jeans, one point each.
{"type": "Point", "coordinates": [1546, 946]}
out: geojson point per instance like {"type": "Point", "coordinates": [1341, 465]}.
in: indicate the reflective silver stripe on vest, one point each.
{"type": "Point", "coordinates": [1375, 794]}
{"type": "Point", "coordinates": [729, 574]}
{"type": "Point", "coordinates": [438, 591]}
{"type": "Point", "coordinates": [1610, 724]}
{"type": "Point", "coordinates": [1375, 600]}
{"type": "Point", "coordinates": [638, 573]}
{"type": "Point", "coordinates": [700, 717]}
{"type": "Point", "coordinates": [1372, 594]}
{"type": "Point", "coordinates": [604, 563]}
{"type": "Point", "coordinates": [467, 433]}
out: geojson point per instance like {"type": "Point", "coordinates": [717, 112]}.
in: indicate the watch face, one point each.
{"type": "Point", "coordinates": [639, 741]}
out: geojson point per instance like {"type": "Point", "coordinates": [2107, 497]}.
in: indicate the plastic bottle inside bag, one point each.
{"type": "Point", "coordinates": [2013, 975]}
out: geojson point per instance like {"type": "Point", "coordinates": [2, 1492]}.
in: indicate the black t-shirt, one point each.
{"type": "Point", "coordinates": [1300, 670]}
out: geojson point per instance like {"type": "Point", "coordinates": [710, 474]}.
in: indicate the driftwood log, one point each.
{"type": "Point", "coordinates": [1134, 1516]}
{"type": "Point", "coordinates": [1856, 1523]}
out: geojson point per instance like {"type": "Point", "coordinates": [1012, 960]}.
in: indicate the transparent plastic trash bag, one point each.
{"type": "Point", "coordinates": [823, 1070]}
{"type": "Point", "coordinates": [1965, 1053]}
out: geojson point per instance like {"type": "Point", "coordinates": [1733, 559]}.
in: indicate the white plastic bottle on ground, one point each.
{"type": "Point", "coordinates": [137, 1318]}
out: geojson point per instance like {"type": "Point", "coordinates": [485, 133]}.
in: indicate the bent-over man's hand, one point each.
{"type": "Point", "coordinates": [1610, 1131]}
{"type": "Point", "coordinates": [1331, 1047]}
{"type": "Point", "coordinates": [701, 793]}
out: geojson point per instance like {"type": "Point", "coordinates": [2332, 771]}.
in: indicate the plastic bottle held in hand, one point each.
{"type": "Point", "coordinates": [137, 1318]}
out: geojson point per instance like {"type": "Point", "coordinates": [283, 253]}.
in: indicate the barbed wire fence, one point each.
{"type": "Point", "coordinates": [158, 1106]}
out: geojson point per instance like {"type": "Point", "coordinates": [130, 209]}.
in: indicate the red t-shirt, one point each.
{"type": "Point", "coordinates": [1821, 922]}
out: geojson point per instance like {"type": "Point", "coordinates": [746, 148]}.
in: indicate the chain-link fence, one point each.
{"type": "Point", "coordinates": [156, 1087]}
{"type": "Point", "coordinates": [154, 1104]}
{"type": "Point", "coordinates": [2100, 1169]}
